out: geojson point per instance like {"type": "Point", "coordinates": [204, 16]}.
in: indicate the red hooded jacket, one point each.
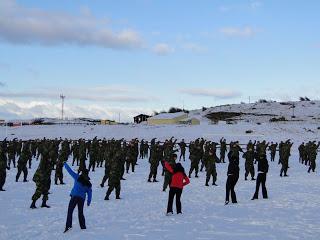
{"type": "Point", "coordinates": [179, 180]}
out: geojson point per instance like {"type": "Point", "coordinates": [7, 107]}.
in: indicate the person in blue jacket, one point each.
{"type": "Point", "coordinates": [81, 187]}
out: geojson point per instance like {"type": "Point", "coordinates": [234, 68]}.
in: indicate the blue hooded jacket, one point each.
{"type": "Point", "coordinates": [78, 189]}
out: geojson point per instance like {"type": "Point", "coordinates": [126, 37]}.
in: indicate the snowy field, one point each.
{"type": "Point", "coordinates": [291, 212]}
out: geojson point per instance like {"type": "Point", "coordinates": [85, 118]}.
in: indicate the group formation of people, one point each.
{"type": "Point", "coordinates": [308, 154]}
{"type": "Point", "coordinates": [119, 157]}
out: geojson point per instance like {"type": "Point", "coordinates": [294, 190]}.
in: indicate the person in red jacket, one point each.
{"type": "Point", "coordinates": [178, 181]}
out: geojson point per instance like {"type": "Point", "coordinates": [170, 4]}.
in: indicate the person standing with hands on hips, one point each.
{"type": "Point", "coordinates": [178, 181]}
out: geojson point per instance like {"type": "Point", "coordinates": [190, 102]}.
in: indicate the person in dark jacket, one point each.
{"type": "Point", "coordinates": [178, 181]}
{"type": "Point", "coordinates": [263, 168]}
{"type": "Point", "coordinates": [233, 177]}
{"type": "Point", "coordinates": [82, 187]}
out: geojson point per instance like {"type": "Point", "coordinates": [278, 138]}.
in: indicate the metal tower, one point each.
{"type": "Point", "coordinates": [62, 97]}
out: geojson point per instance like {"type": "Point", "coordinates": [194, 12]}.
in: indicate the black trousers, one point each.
{"type": "Point", "coordinates": [76, 201]}
{"type": "Point", "coordinates": [230, 185]}
{"type": "Point", "coordinates": [174, 192]}
{"type": "Point", "coordinates": [261, 180]}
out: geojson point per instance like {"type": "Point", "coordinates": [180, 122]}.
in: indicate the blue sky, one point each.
{"type": "Point", "coordinates": [127, 57]}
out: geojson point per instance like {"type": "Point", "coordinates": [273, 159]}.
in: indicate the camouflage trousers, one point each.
{"type": "Point", "coordinates": [194, 167]}
{"type": "Point", "coordinates": [106, 176]}
{"type": "Point", "coordinates": [3, 175]}
{"type": "Point", "coordinates": [58, 175]}
{"type": "Point", "coordinates": [153, 171]}
{"type": "Point", "coordinates": [211, 172]}
{"type": "Point", "coordinates": [41, 189]}
{"type": "Point", "coordinates": [167, 180]}
{"type": "Point", "coordinates": [116, 186]}
{"type": "Point", "coordinates": [249, 169]}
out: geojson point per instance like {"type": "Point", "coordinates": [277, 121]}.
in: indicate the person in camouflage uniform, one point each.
{"type": "Point", "coordinates": [146, 149]}
{"type": "Point", "coordinates": [307, 151]}
{"type": "Point", "coordinates": [167, 175]}
{"type": "Point", "coordinates": [141, 149]}
{"type": "Point", "coordinates": [223, 150]}
{"type": "Point", "coordinates": [201, 153]}
{"type": "Point", "coordinates": [249, 156]}
{"type": "Point", "coordinates": [33, 148]}
{"type": "Point", "coordinates": [3, 168]}
{"type": "Point", "coordinates": [107, 156]}
{"type": "Point", "coordinates": [211, 166]}
{"type": "Point", "coordinates": [114, 181]}
{"type": "Point", "coordinates": [63, 157]}
{"type": "Point", "coordinates": [12, 153]}
{"type": "Point", "coordinates": [42, 177]}
{"type": "Point", "coordinates": [195, 156]}
{"type": "Point", "coordinates": [284, 152]}
{"type": "Point", "coordinates": [182, 146]}
{"type": "Point", "coordinates": [82, 155]}
{"type": "Point", "coordinates": [130, 156]}
{"type": "Point", "coordinates": [154, 161]}
{"type": "Point", "coordinates": [273, 150]}
{"type": "Point", "coordinates": [313, 156]}
{"type": "Point", "coordinates": [75, 153]}
{"type": "Point", "coordinates": [93, 154]}
{"type": "Point", "coordinates": [23, 161]}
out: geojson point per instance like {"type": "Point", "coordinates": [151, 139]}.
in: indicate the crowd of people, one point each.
{"type": "Point", "coordinates": [119, 157]}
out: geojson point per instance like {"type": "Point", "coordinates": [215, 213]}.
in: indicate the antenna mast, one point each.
{"type": "Point", "coordinates": [62, 97]}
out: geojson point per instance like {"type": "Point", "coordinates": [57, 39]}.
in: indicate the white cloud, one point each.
{"type": "Point", "coordinates": [238, 32]}
{"type": "Point", "coordinates": [120, 94]}
{"type": "Point", "coordinates": [162, 49]}
{"type": "Point", "coordinates": [22, 25]}
{"type": "Point", "coordinates": [255, 4]}
{"type": "Point", "coordinates": [217, 93]}
{"type": "Point", "coordinates": [195, 48]}
{"type": "Point", "coordinates": [10, 109]}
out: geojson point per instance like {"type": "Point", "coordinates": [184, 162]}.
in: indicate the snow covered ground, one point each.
{"type": "Point", "coordinates": [292, 212]}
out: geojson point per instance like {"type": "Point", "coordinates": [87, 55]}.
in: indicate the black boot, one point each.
{"type": "Point", "coordinates": [155, 180]}
{"type": "Point", "coordinates": [33, 205]}
{"type": "Point", "coordinates": [67, 229]}
{"type": "Point", "coordinates": [44, 204]}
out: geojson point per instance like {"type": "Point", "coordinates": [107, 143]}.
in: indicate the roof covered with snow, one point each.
{"type": "Point", "coordinates": [169, 115]}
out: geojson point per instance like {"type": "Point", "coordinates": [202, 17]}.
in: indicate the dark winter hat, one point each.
{"type": "Point", "coordinates": [85, 172]}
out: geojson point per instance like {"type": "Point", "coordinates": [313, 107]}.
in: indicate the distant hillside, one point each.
{"type": "Point", "coordinates": [308, 111]}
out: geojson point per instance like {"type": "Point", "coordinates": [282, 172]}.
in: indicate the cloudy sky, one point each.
{"type": "Point", "coordinates": [128, 57]}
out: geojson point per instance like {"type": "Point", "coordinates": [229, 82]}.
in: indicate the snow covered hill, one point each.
{"type": "Point", "coordinates": [260, 112]}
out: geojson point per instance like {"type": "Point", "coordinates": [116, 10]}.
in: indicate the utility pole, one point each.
{"type": "Point", "coordinates": [62, 97]}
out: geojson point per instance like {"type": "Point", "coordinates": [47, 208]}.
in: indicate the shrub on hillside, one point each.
{"type": "Point", "coordinates": [280, 119]}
